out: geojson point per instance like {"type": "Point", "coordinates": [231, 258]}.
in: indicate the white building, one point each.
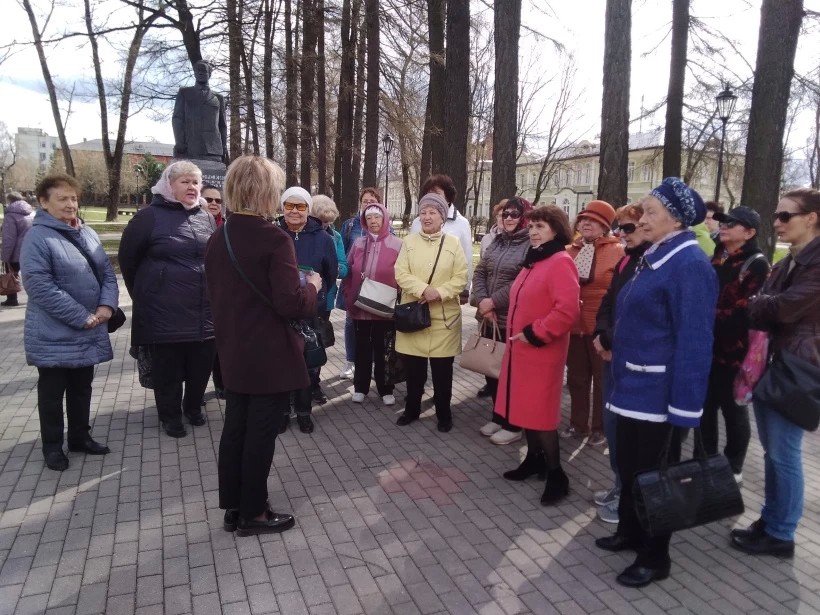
{"type": "Point", "coordinates": [36, 146]}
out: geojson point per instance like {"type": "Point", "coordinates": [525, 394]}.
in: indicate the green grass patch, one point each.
{"type": "Point", "coordinates": [111, 245]}
{"type": "Point", "coordinates": [108, 227]}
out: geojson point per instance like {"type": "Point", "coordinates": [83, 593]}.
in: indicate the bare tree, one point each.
{"type": "Point", "coordinates": [371, 138]}
{"type": "Point", "coordinates": [674, 96]}
{"type": "Point", "coordinates": [291, 118]}
{"type": "Point", "coordinates": [235, 96]}
{"type": "Point", "coordinates": [456, 104]}
{"type": "Point", "coordinates": [308, 80]}
{"type": "Point", "coordinates": [321, 100]}
{"type": "Point", "coordinates": [432, 151]}
{"type": "Point", "coordinates": [8, 156]}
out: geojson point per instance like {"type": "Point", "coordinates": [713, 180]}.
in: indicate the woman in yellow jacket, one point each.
{"type": "Point", "coordinates": [441, 341]}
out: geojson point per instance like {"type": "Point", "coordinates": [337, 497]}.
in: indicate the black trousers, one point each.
{"type": "Point", "coordinates": [720, 396]}
{"type": "Point", "coordinates": [15, 267]}
{"type": "Point", "coordinates": [442, 370]}
{"type": "Point", "coordinates": [639, 445]}
{"type": "Point", "coordinates": [75, 384]}
{"type": "Point", "coordinates": [217, 374]}
{"type": "Point", "coordinates": [175, 365]}
{"type": "Point", "coordinates": [246, 450]}
{"type": "Point", "coordinates": [370, 336]}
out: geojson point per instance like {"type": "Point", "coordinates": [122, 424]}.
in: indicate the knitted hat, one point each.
{"type": "Point", "coordinates": [682, 202]}
{"type": "Point", "coordinates": [746, 216]}
{"type": "Point", "coordinates": [436, 201]}
{"type": "Point", "coordinates": [600, 211]}
{"type": "Point", "coordinates": [297, 194]}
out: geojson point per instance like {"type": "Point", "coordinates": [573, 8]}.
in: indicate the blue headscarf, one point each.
{"type": "Point", "coordinates": [683, 203]}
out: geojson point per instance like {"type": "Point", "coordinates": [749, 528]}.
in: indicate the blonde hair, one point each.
{"type": "Point", "coordinates": [183, 167]}
{"type": "Point", "coordinates": [254, 183]}
{"type": "Point", "coordinates": [324, 208]}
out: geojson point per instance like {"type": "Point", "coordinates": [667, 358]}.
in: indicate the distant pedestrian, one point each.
{"type": "Point", "coordinates": [213, 203]}
{"type": "Point", "coordinates": [17, 222]}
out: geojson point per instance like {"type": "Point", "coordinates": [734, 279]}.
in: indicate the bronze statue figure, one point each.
{"type": "Point", "coordinates": [200, 130]}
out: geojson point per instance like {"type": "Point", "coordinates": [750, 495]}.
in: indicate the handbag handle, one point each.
{"type": "Point", "coordinates": [698, 451]}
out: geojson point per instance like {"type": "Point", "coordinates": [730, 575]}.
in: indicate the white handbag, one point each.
{"type": "Point", "coordinates": [376, 298]}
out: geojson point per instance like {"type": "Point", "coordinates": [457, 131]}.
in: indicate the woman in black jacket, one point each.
{"type": "Point", "coordinates": [162, 258]}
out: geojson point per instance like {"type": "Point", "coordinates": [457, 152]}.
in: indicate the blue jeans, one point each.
{"type": "Point", "coordinates": [782, 442]}
{"type": "Point", "coordinates": [609, 420]}
{"type": "Point", "coordinates": [350, 339]}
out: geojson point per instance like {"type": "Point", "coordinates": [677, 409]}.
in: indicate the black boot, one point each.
{"type": "Point", "coordinates": [534, 463]}
{"type": "Point", "coordinates": [557, 487]}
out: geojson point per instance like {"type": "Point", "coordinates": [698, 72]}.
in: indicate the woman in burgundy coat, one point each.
{"type": "Point", "coordinates": [260, 352]}
{"type": "Point", "coordinates": [544, 305]}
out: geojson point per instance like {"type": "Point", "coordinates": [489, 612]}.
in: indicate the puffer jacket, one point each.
{"type": "Point", "coordinates": [18, 221]}
{"type": "Point", "coordinates": [315, 249]}
{"type": "Point", "coordinates": [497, 269]}
{"type": "Point", "coordinates": [63, 292]}
{"type": "Point", "coordinates": [162, 259]}
{"type": "Point", "coordinates": [788, 305]}
{"type": "Point", "coordinates": [608, 253]}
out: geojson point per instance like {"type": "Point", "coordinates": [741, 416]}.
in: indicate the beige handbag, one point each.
{"type": "Point", "coordinates": [483, 355]}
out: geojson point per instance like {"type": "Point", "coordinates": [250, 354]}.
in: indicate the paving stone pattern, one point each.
{"type": "Point", "coordinates": [389, 520]}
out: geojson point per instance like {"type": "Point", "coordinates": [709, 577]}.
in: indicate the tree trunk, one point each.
{"type": "Point", "coordinates": [308, 76]}
{"type": "Point", "coordinates": [247, 56]}
{"type": "Point", "coordinates": [507, 17]}
{"type": "Point", "coordinates": [291, 117]}
{"type": "Point", "coordinates": [321, 100]}
{"type": "Point", "coordinates": [780, 22]}
{"type": "Point", "coordinates": [267, 76]}
{"type": "Point", "coordinates": [344, 188]}
{"type": "Point", "coordinates": [371, 138]}
{"type": "Point", "coordinates": [404, 153]}
{"type": "Point", "coordinates": [614, 157]}
{"type": "Point", "coordinates": [358, 111]}
{"type": "Point", "coordinates": [432, 152]}
{"type": "Point", "coordinates": [234, 84]}
{"type": "Point", "coordinates": [457, 98]}
{"type": "Point", "coordinates": [672, 146]}
{"type": "Point", "coordinates": [189, 32]}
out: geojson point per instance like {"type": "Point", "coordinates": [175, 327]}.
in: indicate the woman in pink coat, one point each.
{"type": "Point", "coordinates": [544, 305]}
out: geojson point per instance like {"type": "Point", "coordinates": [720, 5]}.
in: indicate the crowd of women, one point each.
{"type": "Point", "coordinates": [651, 334]}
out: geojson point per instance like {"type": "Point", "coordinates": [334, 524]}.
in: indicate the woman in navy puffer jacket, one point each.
{"type": "Point", "coordinates": [72, 292]}
{"type": "Point", "coordinates": [162, 258]}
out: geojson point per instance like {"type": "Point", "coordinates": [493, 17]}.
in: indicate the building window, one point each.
{"type": "Point", "coordinates": [646, 173]}
{"type": "Point", "coordinates": [588, 174]}
{"type": "Point", "coordinates": [42, 157]}
{"type": "Point", "coordinates": [579, 176]}
{"type": "Point", "coordinates": [42, 144]}
{"type": "Point", "coordinates": [630, 173]}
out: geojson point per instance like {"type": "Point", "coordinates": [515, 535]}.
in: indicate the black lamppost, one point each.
{"type": "Point", "coordinates": [725, 106]}
{"type": "Point", "coordinates": [387, 145]}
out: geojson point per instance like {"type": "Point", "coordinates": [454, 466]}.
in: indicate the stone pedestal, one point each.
{"type": "Point", "coordinates": [213, 173]}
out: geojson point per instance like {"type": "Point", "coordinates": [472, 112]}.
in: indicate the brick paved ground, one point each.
{"type": "Point", "coordinates": [389, 520]}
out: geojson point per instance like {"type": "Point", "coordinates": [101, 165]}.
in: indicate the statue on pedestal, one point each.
{"type": "Point", "coordinates": [200, 129]}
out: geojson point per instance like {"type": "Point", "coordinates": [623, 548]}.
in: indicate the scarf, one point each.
{"type": "Point", "coordinates": [584, 261]}
{"type": "Point", "coordinates": [542, 252]}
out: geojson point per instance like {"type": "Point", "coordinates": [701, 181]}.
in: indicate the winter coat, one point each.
{"type": "Point", "coordinates": [788, 306]}
{"type": "Point", "coordinates": [260, 353]}
{"type": "Point", "coordinates": [317, 250]}
{"type": "Point", "coordinates": [458, 226]}
{"type": "Point", "coordinates": [732, 317]}
{"type": "Point", "coordinates": [63, 292]}
{"type": "Point", "coordinates": [487, 240]}
{"type": "Point", "coordinates": [705, 239]}
{"type": "Point", "coordinates": [18, 220]}
{"type": "Point", "coordinates": [375, 259]}
{"type": "Point", "coordinates": [624, 270]}
{"type": "Point", "coordinates": [544, 305]}
{"type": "Point", "coordinates": [497, 269]}
{"type": "Point", "coordinates": [662, 342]}
{"type": "Point", "coordinates": [608, 251]}
{"type": "Point", "coordinates": [351, 230]}
{"type": "Point", "coordinates": [162, 259]}
{"type": "Point", "coordinates": [344, 270]}
{"type": "Point", "coordinates": [413, 267]}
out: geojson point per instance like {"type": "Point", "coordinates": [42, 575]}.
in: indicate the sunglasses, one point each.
{"type": "Point", "coordinates": [729, 224]}
{"type": "Point", "coordinates": [210, 199]}
{"type": "Point", "coordinates": [514, 214]}
{"type": "Point", "coordinates": [296, 206]}
{"type": "Point", "coordinates": [626, 229]}
{"type": "Point", "coordinates": [785, 216]}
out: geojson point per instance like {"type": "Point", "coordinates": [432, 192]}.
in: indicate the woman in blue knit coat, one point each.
{"type": "Point", "coordinates": [661, 356]}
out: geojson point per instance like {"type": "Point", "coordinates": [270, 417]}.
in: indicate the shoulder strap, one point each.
{"type": "Point", "coordinates": [435, 264]}
{"type": "Point", "coordinates": [236, 266]}
{"type": "Point", "coordinates": [748, 263]}
{"type": "Point", "coordinates": [82, 250]}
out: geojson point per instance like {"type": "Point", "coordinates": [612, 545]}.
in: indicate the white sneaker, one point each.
{"type": "Point", "coordinates": [358, 398]}
{"type": "Point", "coordinates": [607, 496]}
{"type": "Point", "coordinates": [503, 436]}
{"type": "Point", "coordinates": [739, 478]}
{"type": "Point", "coordinates": [389, 400]}
{"type": "Point", "coordinates": [608, 513]}
{"type": "Point", "coordinates": [489, 429]}
{"type": "Point", "coordinates": [347, 372]}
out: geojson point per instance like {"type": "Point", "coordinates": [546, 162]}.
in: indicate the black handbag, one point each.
{"type": "Point", "coordinates": [394, 371]}
{"type": "Point", "coordinates": [686, 494]}
{"type": "Point", "coordinates": [325, 328]}
{"type": "Point", "coordinates": [415, 316]}
{"type": "Point", "coordinates": [314, 351]}
{"type": "Point", "coordinates": [791, 387]}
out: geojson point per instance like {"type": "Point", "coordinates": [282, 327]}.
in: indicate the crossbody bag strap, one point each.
{"type": "Point", "coordinates": [87, 256]}
{"type": "Point", "coordinates": [435, 264]}
{"type": "Point", "coordinates": [236, 266]}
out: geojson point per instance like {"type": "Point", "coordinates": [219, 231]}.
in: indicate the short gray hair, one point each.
{"type": "Point", "coordinates": [324, 208]}
{"type": "Point", "coordinates": [183, 167]}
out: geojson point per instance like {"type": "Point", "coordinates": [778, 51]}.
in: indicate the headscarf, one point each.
{"type": "Point", "coordinates": [163, 187]}
{"type": "Point", "coordinates": [297, 194]}
{"type": "Point", "coordinates": [523, 206]}
{"type": "Point", "coordinates": [682, 202]}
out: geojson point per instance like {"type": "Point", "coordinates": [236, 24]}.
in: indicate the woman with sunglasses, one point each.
{"type": "Point", "coordinates": [627, 228]}
{"type": "Point", "coordinates": [492, 280]}
{"type": "Point", "coordinates": [788, 307]}
{"type": "Point", "coordinates": [213, 203]}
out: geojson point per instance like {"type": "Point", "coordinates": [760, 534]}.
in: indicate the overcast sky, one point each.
{"type": "Point", "coordinates": [577, 24]}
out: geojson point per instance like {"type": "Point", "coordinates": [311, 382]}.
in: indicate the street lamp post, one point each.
{"type": "Point", "coordinates": [725, 106]}
{"type": "Point", "coordinates": [387, 146]}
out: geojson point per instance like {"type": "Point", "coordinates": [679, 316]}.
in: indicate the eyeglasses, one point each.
{"type": "Point", "coordinates": [511, 214]}
{"type": "Point", "coordinates": [296, 206]}
{"type": "Point", "coordinates": [210, 199]}
{"type": "Point", "coordinates": [785, 216]}
{"type": "Point", "coordinates": [626, 229]}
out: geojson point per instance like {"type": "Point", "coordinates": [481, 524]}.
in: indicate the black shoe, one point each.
{"type": "Point", "coordinates": [197, 420]}
{"type": "Point", "coordinates": [319, 396]}
{"type": "Point", "coordinates": [763, 544]}
{"type": "Point", "coordinates": [557, 487]}
{"type": "Point", "coordinates": [175, 430]}
{"type": "Point", "coordinates": [445, 426]}
{"type": "Point", "coordinates": [56, 460]}
{"type": "Point", "coordinates": [276, 522]}
{"type": "Point", "coordinates": [758, 528]}
{"type": "Point", "coordinates": [219, 393]}
{"type": "Point", "coordinates": [231, 519]}
{"type": "Point", "coordinates": [616, 543]}
{"type": "Point", "coordinates": [533, 464]}
{"type": "Point", "coordinates": [305, 424]}
{"type": "Point", "coordinates": [89, 447]}
{"type": "Point", "coordinates": [484, 391]}
{"type": "Point", "coordinates": [641, 576]}
{"type": "Point", "coordinates": [283, 426]}
{"type": "Point", "coordinates": [405, 419]}
{"type": "Point", "coordinates": [10, 303]}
